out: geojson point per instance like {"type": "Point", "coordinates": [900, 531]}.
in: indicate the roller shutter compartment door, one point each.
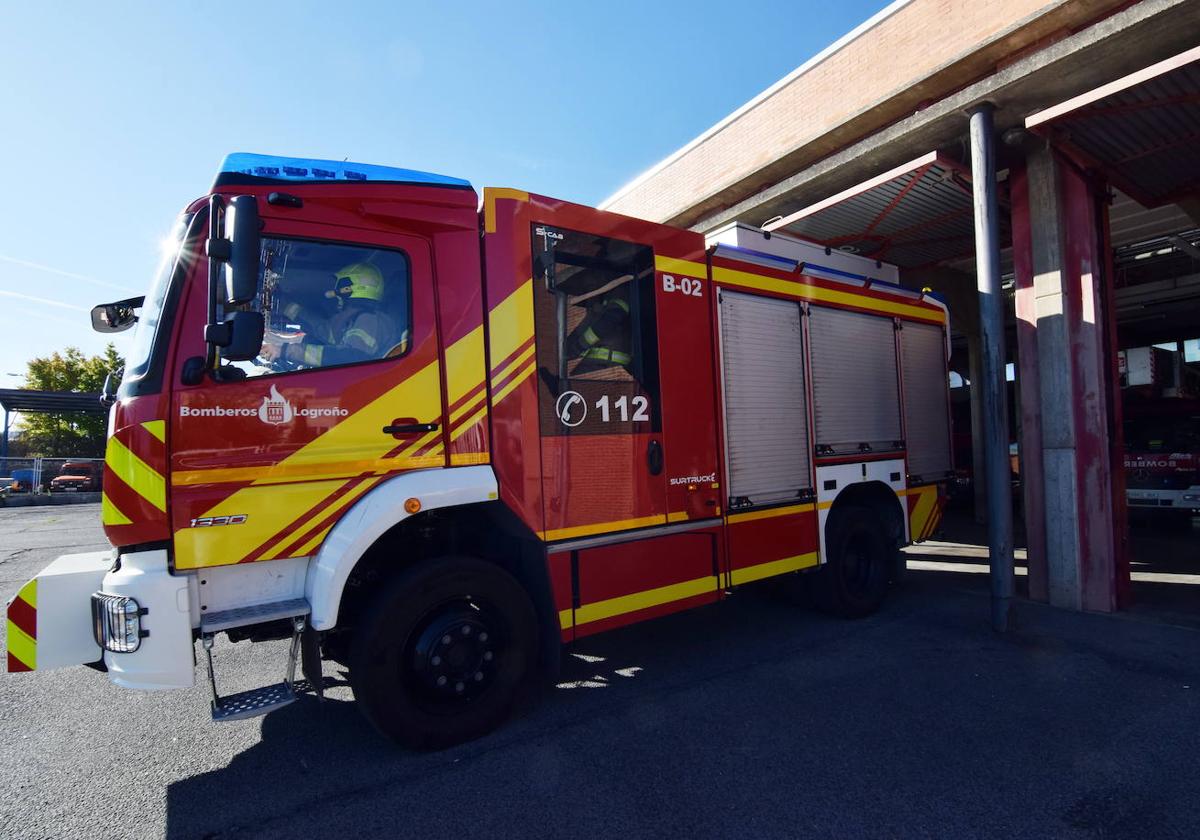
{"type": "Point", "coordinates": [856, 398]}
{"type": "Point", "coordinates": [926, 419]}
{"type": "Point", "coordinates": [766, 416]}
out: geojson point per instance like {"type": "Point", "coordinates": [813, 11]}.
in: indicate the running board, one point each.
{"type": "Point", "coordinates": [215, 622]}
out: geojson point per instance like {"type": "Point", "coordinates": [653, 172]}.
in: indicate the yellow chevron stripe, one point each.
{"type": "Point", "coordinates": [158, 428]}
{"type": "Point", "coordinates": [642, 600]}
{"type": "Point", "coordinates": [566, 619]}
{"type": "Point", "coordinates": [311, 546]}
{"type": "Point", "coordinates": [110, 514]}
{"type": "Point", "coordinates": [343, 503]}
{"type": "Point", "coordinates": [421, 442]}
{"type": "Point", "coordinates": [603, 527]}
{"type": "Point", "coordinates": [919, 517]}
{"type": "Point", "coordinates": [470, 406]}
{"type": "Point", "coordinates": [465, 366]}
{"type": "Point", "coordinates": [821, 294]}
{"type": "Point", "coordinates": [511, 322]}
{"type": "Point", "coordinates": [28, 593]}
{"type": "Point", "coordinates": [282, 473]}
{"type": "Point", "coordinates": [466, 459]}
{"type": "Point", "coordinates": [513, 383]}
{"type": "Point", "coordinates": [680, 266]}
{"type": "Point", "coordinates": [144, 479]}
{"type": "Point", "coordinates": [769, 513]}
{"type": "Point", "coordinates": [520, 360]}
{"type": "Point", "coordinates": [490, 196]}
{"type": "Point", "coordinates": [469, 423]}
{"type": "Point", "coordinates": [775, 567]}
{"type": "Point", "coordinates": [22, 646]}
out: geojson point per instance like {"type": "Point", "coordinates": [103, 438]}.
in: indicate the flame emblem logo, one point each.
{"type": "Point", "coordinates": [275, 410]}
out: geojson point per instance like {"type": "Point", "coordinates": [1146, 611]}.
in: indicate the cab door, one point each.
{"type": "Point", "coordinates": [628, 436]}
{"type": "Point", "coordinates": [598, 383]}
{"type": "Point", "coordinates": [268, 456]}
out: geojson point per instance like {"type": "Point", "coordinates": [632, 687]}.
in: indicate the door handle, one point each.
{"type": "Point", "coordinates": [654, 457]}
{"type": "Point", "coordinates": [413, 428]}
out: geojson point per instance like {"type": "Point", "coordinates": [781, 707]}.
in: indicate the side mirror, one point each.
{"type": "Point", "coordinates": [112, 380]}
{"type": "Point", "coordinates": [241, 268]}
{"type": "Point", "coordinates": [239, 338]}
{"type": "Point", "coordinates": [117, 316]}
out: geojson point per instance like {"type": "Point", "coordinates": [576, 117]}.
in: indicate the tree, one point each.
{"type": "Point", "coordinates": [73, 434]}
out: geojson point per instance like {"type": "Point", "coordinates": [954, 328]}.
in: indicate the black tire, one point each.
{"type": "Point", "coordinates": [861, 558]}
{"type": "Point", "coordinates": [442, 651]}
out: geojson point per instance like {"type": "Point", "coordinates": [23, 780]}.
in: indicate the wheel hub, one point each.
{"type": "Point", "coordinates": [454, 656]}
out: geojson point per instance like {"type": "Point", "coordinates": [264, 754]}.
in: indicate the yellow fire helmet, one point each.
{"type": "Point", "coordinates": [360, 281]}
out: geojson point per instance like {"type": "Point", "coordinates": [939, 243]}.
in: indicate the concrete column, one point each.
{"type": "Point", "coordinates": [994, 388]}
{"type": "Point", "coordinates": [978, 461]}
{"type": "Point", "coordinates": [1065, 379]}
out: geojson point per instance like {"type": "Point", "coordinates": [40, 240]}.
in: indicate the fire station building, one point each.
{"type": "Point", "coordinates": [1037, 164]}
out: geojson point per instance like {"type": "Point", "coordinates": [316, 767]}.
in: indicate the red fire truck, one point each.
{"type": "Point", "coordinates": [435, 439]}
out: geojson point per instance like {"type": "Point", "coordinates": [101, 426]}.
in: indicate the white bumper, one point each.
{"type": "Point", "coordinates": [50, 618]}
{"type": "Point", "coordinates": [50, 623]}
{"type": "Point", "coordinates": [165, 656]}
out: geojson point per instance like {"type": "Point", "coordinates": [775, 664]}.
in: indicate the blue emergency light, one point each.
{"type": "Point", "coordinates": [309, 170]}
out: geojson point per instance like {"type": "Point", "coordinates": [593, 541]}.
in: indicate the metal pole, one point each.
{"type": "Point", "coordinates": [991, 323]}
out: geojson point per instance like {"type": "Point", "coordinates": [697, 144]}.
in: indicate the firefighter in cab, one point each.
{"type": "Point", "coordinates": [603, 338]}
{"type": "Point", "coordinates": [361, 328]}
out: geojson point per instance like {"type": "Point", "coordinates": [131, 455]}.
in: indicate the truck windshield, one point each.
{"type": "Point", "coordinates": [138, 359]}
{"type": "Point", "coordinates": [1177, 434]}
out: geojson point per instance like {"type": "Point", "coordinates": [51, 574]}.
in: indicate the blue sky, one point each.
{"type": "Point", "coordinates": [116, 116]}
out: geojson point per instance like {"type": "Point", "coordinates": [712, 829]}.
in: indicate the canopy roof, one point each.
{"type": "Point", "coordinates": [1141, 130]}
{"type": "Point", "coordinates": [49, 402]}
{"type": "Point", "coordinates": [916, 215]}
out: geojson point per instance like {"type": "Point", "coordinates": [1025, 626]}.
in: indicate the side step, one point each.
{"type": "Point", "coordinates": [215, 622]}
{"type": "Point", "coordinates": [252, 703]}
{"type": "Point", "coordinates": [256, 701]}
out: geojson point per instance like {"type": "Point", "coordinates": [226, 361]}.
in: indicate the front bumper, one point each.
{"type": "Point", "coordinates": [51, 622]}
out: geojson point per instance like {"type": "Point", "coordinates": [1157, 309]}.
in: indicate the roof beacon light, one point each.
{"type": "Point", "coordinates": [274, 168]}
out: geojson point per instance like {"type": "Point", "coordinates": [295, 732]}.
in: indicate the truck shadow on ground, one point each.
{"type": "Point", "coordinates": [745, 693]}
{"type": "Point", "coordinates": [314, 756]}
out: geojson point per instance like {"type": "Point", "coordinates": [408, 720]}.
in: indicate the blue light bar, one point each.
{"type": "Point", "coordinates": [314, 171]}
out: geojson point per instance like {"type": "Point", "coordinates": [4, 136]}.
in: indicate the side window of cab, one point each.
{"type": "Point", "coordinates": [328, 304]}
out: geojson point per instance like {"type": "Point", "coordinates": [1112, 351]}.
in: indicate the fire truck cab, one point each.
{"type": "Point", "coordinates": [434, 437]}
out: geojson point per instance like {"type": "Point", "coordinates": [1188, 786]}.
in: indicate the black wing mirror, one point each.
{"type": "Point", "coordinates": [117, 316]}
{"type": "Point", "coordinates": [241, 269]}
{"type": "Point", "coordinates": [240, 337]}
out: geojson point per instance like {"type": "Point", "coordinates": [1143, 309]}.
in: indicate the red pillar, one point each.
{"type": "Point", "coordinates": [1074, 497]}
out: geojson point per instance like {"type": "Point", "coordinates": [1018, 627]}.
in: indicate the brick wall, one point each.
{"type": "Point", "coordinates": [920, 52]}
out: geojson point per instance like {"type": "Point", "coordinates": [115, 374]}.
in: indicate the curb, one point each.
{"type": "Point", "coordinates": [46, 499]}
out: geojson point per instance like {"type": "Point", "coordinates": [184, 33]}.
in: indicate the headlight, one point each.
{"type": "Point", "coordinates": [117, 623]}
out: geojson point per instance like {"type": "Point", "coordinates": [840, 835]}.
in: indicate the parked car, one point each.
{"type": "Point", "coordinates": [76, 476]}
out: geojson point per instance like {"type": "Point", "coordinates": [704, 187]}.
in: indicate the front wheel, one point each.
{"type": "Point", "coordinates": [854, 581]}
{"type": "Point", "coordinates": [438, 657]}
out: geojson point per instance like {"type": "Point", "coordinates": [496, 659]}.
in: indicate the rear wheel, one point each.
{"type": "Point", "coordinates": [439, 656]}
{"type": "Point", "coordinates": [860, 555]}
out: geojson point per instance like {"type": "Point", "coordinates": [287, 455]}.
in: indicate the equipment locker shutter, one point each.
{"type": "Point", "coordinates": [856, 397]}
{"type": "Point", "coordinates": [926, 421]}
{"type": "Point", "coordinates": [766, 416]}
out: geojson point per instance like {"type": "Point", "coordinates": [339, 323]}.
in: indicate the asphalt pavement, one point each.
{"type": "Point", "coordinates": [750, 718]}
